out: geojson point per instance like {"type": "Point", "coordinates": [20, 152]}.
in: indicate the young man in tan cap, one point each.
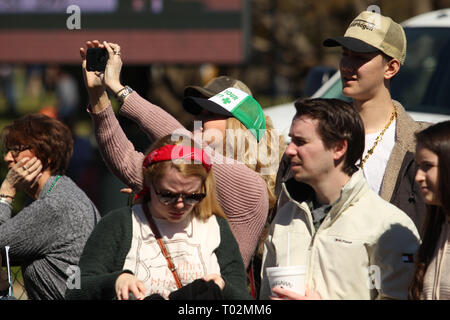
{"type": "Point", "coordinates": [373, 50]}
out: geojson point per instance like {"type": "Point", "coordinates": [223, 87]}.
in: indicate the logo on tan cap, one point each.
{"type": "Point", "coordinates": [371, 31]}
{"type": "Point", "coordinates": [362, 24]}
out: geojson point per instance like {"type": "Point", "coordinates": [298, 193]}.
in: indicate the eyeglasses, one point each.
{"type": "Point", "coordinates": [168, 198]}
{"type": "Point", "coordinates": [16, 150]}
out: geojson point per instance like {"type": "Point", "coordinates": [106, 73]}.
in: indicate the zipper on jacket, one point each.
{"type": "Point", "coordinates": [311, 257]}
{"type": "Point", "coordinates": [303, 207]}
{"type": "Point", "coordinates": [314, 234]}
{"type": "Point", "coordinates": [313, 238]}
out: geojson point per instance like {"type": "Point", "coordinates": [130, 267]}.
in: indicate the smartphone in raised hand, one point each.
{"type": "Point", "coordinates": [96, 59]}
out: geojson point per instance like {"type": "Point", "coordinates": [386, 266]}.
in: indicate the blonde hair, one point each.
{"type": "Point", "coordinates": [262, 157]}
{"type": "Point", "coordinates": [154, 172]}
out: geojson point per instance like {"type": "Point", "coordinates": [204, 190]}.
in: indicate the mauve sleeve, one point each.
{"type": "Point", "coordinates": [117, 151]}
{"type": "Point", "coordinates": [242, 193]}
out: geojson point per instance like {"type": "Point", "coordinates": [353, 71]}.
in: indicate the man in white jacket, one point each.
{"type": "Point", "coordinates": [354, 244]}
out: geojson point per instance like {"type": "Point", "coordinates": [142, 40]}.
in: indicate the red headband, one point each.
{"type": "Point", "coordinates": [173, 152]}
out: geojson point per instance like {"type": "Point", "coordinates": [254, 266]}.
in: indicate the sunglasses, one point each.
{"type": "Point", "coordinates": [169, 198]}
{"type": "Point", "coordinates": [16, 150]}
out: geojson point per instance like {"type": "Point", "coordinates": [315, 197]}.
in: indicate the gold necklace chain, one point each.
{"type": "Point", "coordinates": [380, 136]}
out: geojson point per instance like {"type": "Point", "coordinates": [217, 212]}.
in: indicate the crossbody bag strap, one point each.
{"type": "Point", "coordinates": [164, 251]}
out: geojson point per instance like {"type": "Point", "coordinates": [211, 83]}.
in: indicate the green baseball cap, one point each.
{"type": "Point", "coordinates": [236, 103]}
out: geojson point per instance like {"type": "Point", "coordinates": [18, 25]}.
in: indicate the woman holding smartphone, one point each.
{"type": "Point", "coordinates": [245, 189]}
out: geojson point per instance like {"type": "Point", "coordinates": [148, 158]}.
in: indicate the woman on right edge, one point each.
{"type": "Point", "coordinates": [432, 276]}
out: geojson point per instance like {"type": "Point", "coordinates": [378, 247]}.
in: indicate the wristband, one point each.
{"type": "Point", "coordinates": [117, 93]}
{"type": "Point", "coordinates": [6, 196]}
{"type": "Point", "coordinates": [123, 93]}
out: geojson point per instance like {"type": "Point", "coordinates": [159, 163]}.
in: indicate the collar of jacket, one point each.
{"type": "Point", "coordinates": [404, 141]}
{"type": "Point", "coordinates": [353, 190]}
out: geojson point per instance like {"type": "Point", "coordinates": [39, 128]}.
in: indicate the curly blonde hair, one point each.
{"type": "Point", "coordinates": [262, 157]}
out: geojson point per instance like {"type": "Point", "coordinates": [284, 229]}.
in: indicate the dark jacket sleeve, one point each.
{"type": "Point", "coordinates": [103, 257]}
{"type": "Point", "coordinates": [407, 195]}
{"type": "Point", "coordinates": [231, 265]}
{"type": "Point", "coordinates": [283, 174]}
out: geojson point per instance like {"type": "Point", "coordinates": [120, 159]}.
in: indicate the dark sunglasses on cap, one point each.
{"type": "Point", "coordinates": [169, 198]}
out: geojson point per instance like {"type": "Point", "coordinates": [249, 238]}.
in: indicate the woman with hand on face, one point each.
{"type": "Point", "coordinates": [175, 244]}
{"type": "Point", "coordinates": [432, 276]}
{"type": "Point", "coordinates": [46, 237]}
{"type": "Point", "coordinates": [245, 189]}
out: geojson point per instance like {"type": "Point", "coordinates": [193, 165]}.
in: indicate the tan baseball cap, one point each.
{"type": "Point", "coordinates": [371, 31]}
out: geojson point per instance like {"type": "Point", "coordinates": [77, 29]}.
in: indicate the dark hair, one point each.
{"type": "Point", "coordinates": [435, 138]}
{"type": "Point", "coordinates": [387, 59]}
{"type": "Point", "coordinates": [338, 121]}
{"type": "Point", "coordinates": [50, 140]}
{"type": "Point", "coordinates": [385, 56]}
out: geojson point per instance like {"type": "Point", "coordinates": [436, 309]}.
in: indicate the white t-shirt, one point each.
{"type": "Point", "coordinates": [375, 165]}
{"type": "Point", "coordinates": [190, 243]}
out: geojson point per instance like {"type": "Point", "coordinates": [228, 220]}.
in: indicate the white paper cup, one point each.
{"type": "Point", "coordinates": [290, 278]}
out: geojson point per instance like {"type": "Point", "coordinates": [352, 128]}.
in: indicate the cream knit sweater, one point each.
{"type": "Point", "coordinates": [436, 283]}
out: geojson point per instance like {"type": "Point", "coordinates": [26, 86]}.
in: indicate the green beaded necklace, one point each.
{"type": "Point", "coordinates": [53, 184]}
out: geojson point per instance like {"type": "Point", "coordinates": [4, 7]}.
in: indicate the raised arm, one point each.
{"type": "Point", "coordinates": [117, 151]}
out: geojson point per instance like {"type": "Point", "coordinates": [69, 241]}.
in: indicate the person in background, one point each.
{"type": "Point", "coordinates": [175, 244]}
{"type": "Point", "coordinates": [46, 237]}
{"type": "Point", "coordinates": [65, 87]}
{"type": "Point", "coordinates": [432, 275]}
{"type": "Point", "coordinates": [245, 191]}
{"type": "Point", "coordinates": [8, 88]}
{"type": "Point", "coordinates": [354, 244]}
